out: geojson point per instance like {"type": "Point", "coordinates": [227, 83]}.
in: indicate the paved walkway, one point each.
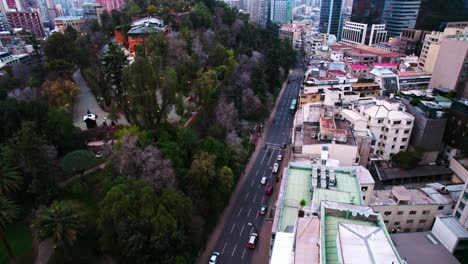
{"type": "Point", "coordinates": [87, 101]}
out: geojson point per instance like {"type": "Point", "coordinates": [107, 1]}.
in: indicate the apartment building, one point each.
{"type": "Point", "coordinates": [61, 23]}
{"type": "Point", "coordinates": [291, 33]}
{"type": "Point", "coordinates": [390, 126]}
{"type": "Point", "coordinates": [431, 46]}
{"type": "Point", "coordinates": [451, 67]}
{"type": "Point", "coordinates": [411, 41]}
{"type": "Point", "coordinates": [414, 210]}
{"type": "Point", "coordinates": [29, 21]}
{"type": "Point", "coordinates": [386, 79]}
{"type": "Point", "coordinates": [366, 89]}
{"type": "Point", "coordinates": [457, 124]}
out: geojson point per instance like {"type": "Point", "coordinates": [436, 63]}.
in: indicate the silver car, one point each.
{"type": "Point", "coordinates": [214, 258]}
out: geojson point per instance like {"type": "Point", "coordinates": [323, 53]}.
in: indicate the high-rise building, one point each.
{"type": "Point", "coordinates": [411, 41]}
{"type": "Point", "coordinates": [330, 17]}
{"type": "Point", "coordinates": [29, 21]}
{"type": "Point", "coordinates": [110, 5]}
{"type": "Point", "coordinates": [451, 67]}
{"type": "Point", "coordinates": [433, 14]}
{"type": "Point", "coordinates": [281, 11]}
{"type": "Point", "coordinates": [367, 11]}
{"type": "Point", "coordinates": [431, 46]}
{"type": "Point", "coordinates": [400, 14]}
{"type": "Point", "coordinates": [377, 34]}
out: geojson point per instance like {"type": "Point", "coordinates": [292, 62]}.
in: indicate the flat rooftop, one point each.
{"type": "Point", "coordinates": [385, 197]}
{"type": "Point", "coordinates": [426, 171]}
{"type": "Point", "coordinates": [307, 240]}
{"type": "Point", "coordinates": [422, 248]}
{"type": "Point", "coordinates": [342, 126]}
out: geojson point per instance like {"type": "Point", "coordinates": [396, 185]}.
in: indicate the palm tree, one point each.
{"type": "Point", "coordinates": [58, 221]}
{"type": "Point", "coordinates": [8, 213]}
{"type": "Point", "coordinates": [10, 180]}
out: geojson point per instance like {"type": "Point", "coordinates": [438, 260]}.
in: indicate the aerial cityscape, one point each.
{"type": "Point", "coordinates": [234, 131]}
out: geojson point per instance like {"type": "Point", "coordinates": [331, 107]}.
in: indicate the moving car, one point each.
{"type": "Point", "coordinates": [264, 180]}
{"type": "Point", "coordinates": [275, 167]}
{"type": "Point", "coordinates": [263, 210]}
{"type": "Point", "coordinates": [283, 145]}
{"type": "Point", "coordinates": [214, 258]}
{"type": "Point", "coordinates": [252, 240]}
{"type": "Point", "coordinates": [269, 190]}
{"type": "Point", "coordinates": [280, 157]}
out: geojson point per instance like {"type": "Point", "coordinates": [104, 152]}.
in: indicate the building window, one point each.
{"type": "Point", "coordinates": [404, 139]}
{"type": "Point", "coordinates": [394, 139]}
{"type": "Point", "coordinates": [419, 229]}
{"type": "Point", "coordinates": [397, 122]}
{"type": "Point", "coordinates": [400, 213]}
{"type": "Point", "coordinates": [457, 215]}
{"type": "Point", "coordinates": [409, 221]}
{"type": "Point", "coordinates": [406, 230]}
{"type": "Point", "coordinates": [422, 221]}
{"type": "Point", "coordinates": [386, 221]}
{"type": "Point", "coordinates": [412, 212]}
{"type": "Point", "coordinates": [387, 213]}
{"type": "Point", "coordinates": [402, 147]}
{"type": "Point", "coordinates": [380, 121]}
{"type": "Point", "coordinates": [364, 188]}
{"type": "Point", "coordinates": [393, 146]}
{"type": "Point", "coordinates": [397, 223]}
{"type": "Point", "coordinates": [465, 195]}
{"type": "Point", "coordinates": [425, 212]}
{"type": "Point", "coordinates": [409, 122]}
{"type": "Point", "coordinates": [461, 205]}
{"type": "Point", "coordinates": [397, 132]}
{"type": "Point", "coordinates": [440, 208]}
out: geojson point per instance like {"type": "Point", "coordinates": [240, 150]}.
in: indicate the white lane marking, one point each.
{"type": "Point", "coordinates": [240, 234]}
{"type": "Point", "coordinates": [250, 209]}
{"type": "Point", "coordinates": [258, 187]}
{"type": "Point", "coordinates": [264, 155]}
{"type": "Point", "coordinates": [246, 197]}
{"type": "Point", "coordinates": [223, 248]}
{"type": "Point", "coordinates": [239, 212]}
{"type": "Point", "coordinates": [257, 172]}
{"type": "Point", "coordinates": [243, 254]}
{"type": "Point", "coordinates": [255, 197]}
{"type": "Point", "coordinates": [233, 227]}
{"type": "Point", "coordinates": [234, 250]}
{"type": "Point", "coordinates": [256, 216]}
{"type": "Point", "coordinates": [263, 199]}
{"type": "Point", "coordinates": [252, 183]}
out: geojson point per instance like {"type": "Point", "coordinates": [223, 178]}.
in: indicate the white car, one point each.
{"type": "Point", "coordinates": [275, 167]}
{"type": "Point", "coordinates": [263, 181]}
{"type": "Point", "coordinates": [214, 258]}
{"type": "Point", "coordinates": [280, 157]}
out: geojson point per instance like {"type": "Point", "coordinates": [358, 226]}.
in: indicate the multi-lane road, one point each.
{"type": "Point", "coordinates": [232, 243]}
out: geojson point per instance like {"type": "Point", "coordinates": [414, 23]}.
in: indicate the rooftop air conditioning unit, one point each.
{"type": "Point", "coordinates": [312, 135]}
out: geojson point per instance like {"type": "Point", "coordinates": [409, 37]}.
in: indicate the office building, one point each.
{"type": "Point", "coordinates": [330, 17]}
{"type": "Point", "coordinates": [400, 14]}
{"type": "Point", "coordinates": [29, 21]}
{"type": "Point", "coordinates": [411, 41]}
{"type": "Point", "coordinates": [367, 11]}
{"type": "Point", "coordinates": [414, 210]}
{"type": "Point", "coordinates": [451, 67]}
{"type": "Point", "coordinates": [281, 11]}
{"type": "Point", "coordinates": [353, 33]}
{"type": "Point", "coordinates": [434, 14]}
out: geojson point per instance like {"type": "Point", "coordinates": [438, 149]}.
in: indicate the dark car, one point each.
{"type": "Point", "coordinates": [269, 190]}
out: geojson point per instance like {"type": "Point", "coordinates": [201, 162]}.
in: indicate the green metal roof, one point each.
{"type": "Point", "coordinates": [439, 98]}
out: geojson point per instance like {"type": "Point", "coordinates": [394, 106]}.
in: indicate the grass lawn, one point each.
{"type": "Point", "coordinates": [20, 240]}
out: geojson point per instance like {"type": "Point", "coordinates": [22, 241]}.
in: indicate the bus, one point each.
{"type": "Point", "coordinates": [292, 108]}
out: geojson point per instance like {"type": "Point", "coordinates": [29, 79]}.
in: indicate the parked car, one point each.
{"type": "Point", "coordinates": [214, 258]}
{"type": "Point", "coordinates": [263, 210]}
{"type": "Point", "coordinates": [264, 180]}
{"type": "Point", "coordinates": [275, 167]}
{"type": "Point", "coordinates": [280, 157]}
{"type": "Point", "coordinates": [252, 240]}
{"type": "Point", "coordinates": [269, 190]}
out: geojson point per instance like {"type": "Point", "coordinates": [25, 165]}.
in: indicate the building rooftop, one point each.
{"type": "Point", "coordinates": [441, 99]}
{"type": "Point", "coordinates": [342, 134]}
{"type": "Point", "coordinates": [67, 18]}
{"type": "Point", "coordinates": [411, 196]}
{"type": "Point", "coordinates": [380, 111]}
{"type": "Point", "coordinates": [387, 65]}
{"type": "Point", "coordinates": [282, 249]}
{"type": "Point", "coordinates": [337, 72]}
{"type": "Point", "coordinates": [358, 66]}
{"type": "Point", "coordinates": [422, 248]}
{"type": "Point", "coordinates": [413, 74]}
{"type": "Point", "coordinates": [454, 226]}
{"type": "Point", "coordinates": [385, 172]}
{"type": "Point", "coordinates": [359, 235]}
{"type": "Point", "coordinates": [307, 240]}
{"type": "Point", "coordinates": [377, 51]}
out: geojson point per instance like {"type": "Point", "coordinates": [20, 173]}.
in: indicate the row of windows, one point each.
{"type": "Point", "coordinates": [425, 212]}
{"type": "Point", "coordinates": [410, 221]}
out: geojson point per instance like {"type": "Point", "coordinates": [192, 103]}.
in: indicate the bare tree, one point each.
{"type": "Point", "coordinates": [147, 164]}
{"type": "Point", "coordinates": [226, 114]}
{"type": "Point", "coordinates": [177, 52]}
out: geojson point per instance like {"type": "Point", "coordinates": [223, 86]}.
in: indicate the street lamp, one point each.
{"type": "Point", "coordinates": [250, 224]}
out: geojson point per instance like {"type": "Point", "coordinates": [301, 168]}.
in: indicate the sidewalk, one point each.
{"type": "Point", "coordinates": [213, 238]}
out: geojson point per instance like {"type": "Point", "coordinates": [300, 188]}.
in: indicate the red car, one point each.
{"type": "Point", "coordinates": [269, 190]}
